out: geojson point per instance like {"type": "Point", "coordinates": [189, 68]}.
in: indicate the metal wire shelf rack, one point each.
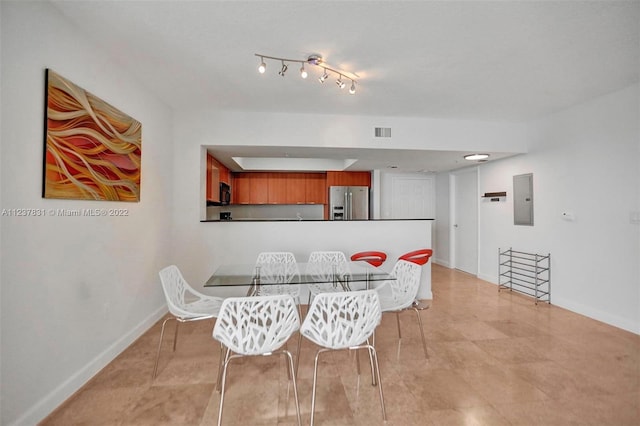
{"type": "Point", "coordinates": [526, 273]}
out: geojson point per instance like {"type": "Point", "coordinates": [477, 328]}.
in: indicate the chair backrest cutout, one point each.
{"type": "Point", "coordinates": [277, 267]}
{"type": "Point", "coordinates": [342, 320]}
{"type": "Point", "coordinates": [324, 265]}
{"type": "Point", "coordinates": [256, 325]}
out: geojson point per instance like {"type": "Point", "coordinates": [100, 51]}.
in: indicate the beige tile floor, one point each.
{"type": "Point", "coordinates": [494, 359]}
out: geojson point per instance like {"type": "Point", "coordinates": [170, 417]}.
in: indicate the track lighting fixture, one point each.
{"type": "Point", "coordinates": [317, 61]}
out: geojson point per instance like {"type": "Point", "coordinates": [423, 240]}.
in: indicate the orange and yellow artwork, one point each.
{"type": "Point", "coordinates": [92, 150]}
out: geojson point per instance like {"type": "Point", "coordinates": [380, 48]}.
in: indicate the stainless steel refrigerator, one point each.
{"type": "Point", "coordinates": [348, 203]}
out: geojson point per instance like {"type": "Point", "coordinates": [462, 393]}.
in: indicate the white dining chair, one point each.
{"type": "Point", "coordinates": [276, 270]}
{"type": "Point", "coordinates": [324, 267]}
{"type": "Point", "coordinates": [399, 294]}
{"type": "Point", "coordinates": [185, 304]}
{"type": "Point", "coordinates": [343, 320]}
{"type": "Point", "coordinates": [256, 325]}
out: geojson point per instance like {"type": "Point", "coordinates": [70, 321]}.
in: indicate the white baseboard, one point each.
{"type": "Point", "coordinates": [489, 278]}
{"type": "Point", "coordinates": [61, 393]}
{"type": "Point", "coordinates": [441, 263]}
{"type": "Point", "coordinates": [587, 311]}
{"type": "Point", "coordinates": [596, 314]}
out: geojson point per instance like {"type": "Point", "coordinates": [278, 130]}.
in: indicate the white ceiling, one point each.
{"type": "Point", "coordinates": [500, 60]}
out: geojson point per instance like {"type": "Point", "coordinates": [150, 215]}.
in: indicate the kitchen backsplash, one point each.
{"type": "Point", "coordinates": [273, 212]}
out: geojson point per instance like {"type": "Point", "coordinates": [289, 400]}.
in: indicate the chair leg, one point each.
{"type": "Point", "coordinates": [424, 342]}
{"type": "Point", "coordinates": [295, 387]}
{"type": "Point", "coordinates": [175, 336]}
{"type": "Point", "coordinates": [227, 359]}
{"type": "Point", "coordinates": [315, 381]}
{"type": "Point", "coordinates": [373, 371]}
{"type": "Point", "coordinates": [374, 355]}
{"type": "Point", "coordinates": [299, 339]}
{"type": "Point", "coordinates": [373, 368]}
{"type": "Point", "coordinates": [399, 334]}
{"type": "Point", "coordinates": [155, 368]}
{"type": "Point", "coordinates": [220, 367]}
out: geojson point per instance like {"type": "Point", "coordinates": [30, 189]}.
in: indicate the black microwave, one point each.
{"type": "Point", "coordinates": [225, 194]}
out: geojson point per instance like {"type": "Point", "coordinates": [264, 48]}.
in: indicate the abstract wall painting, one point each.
{"type": "Point", "coordinates": [92, 150]}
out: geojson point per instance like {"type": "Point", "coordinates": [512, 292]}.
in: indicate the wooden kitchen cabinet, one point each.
{"type": "Point", "coordinates": [287, 188]}
{"type": "Point", "coordinates": [210, 178]}
{"type": "Point", "coordinates": [349, 179]}
{"type": "Point", "coordinates": [225, 175]}
{"type": "Point", "coordinates": [216, 173]}
{"type": "Point", "coordinates": [296, 188]}
{"type": "Point", "coordinates": [250, 188]}
{"type": "Point", "coordinates": [241, 189]}
{"type": "Point", "coordinates": [259, 188]}
{"type": "Point", "coordinates": [277, 188]}
{"type": "Point", "coordinates": [315, 188]}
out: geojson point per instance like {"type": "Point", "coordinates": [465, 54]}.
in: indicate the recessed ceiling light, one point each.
{"type": "Point", "coordinates": [475, 157]}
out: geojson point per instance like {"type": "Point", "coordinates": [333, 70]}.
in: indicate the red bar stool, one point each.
{"type": "Point", "coordinates": [375, 258]}
{"type": "Point", "coordinates": [417, 256]}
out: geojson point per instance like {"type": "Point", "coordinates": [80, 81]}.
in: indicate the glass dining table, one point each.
{"type": "Point", "coordinates": [357, 276]}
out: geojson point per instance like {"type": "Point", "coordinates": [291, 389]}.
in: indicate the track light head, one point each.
{"type": "Point", "coordinates": [340, 83]}
{"type": "Point", "coordinates": [303, 72]}
{"type": "Point", "coordinates": [262, 67]}
{"type": "Point", "coordinates": [284, 69]}
{"type": "Point", "coordinates": [323, 77]}
{"type": "Point", "coordinates": [352, 89]}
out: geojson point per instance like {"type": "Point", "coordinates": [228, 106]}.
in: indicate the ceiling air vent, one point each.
{"type": "Point", "coordinates": [382, 132]}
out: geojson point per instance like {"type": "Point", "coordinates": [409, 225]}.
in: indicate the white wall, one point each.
{"type": "Point", "coordinates": [195, 128]}
{"type": "Point", "coordinates": [210, 127]}
{"type": "Point", "coordinates": [75, 290]}
{"type": "Point", "coordinates": [586, 161]}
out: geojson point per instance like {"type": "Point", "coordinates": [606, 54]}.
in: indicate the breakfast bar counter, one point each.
{"type": "Point", "coordinates": [240, 241]}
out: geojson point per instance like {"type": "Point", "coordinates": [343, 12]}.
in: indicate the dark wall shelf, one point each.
{"type": "Point", "coordinates": [495, 196]}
